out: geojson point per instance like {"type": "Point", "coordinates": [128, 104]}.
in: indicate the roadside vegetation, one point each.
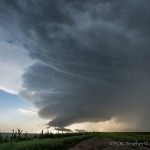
{"type": "Point", "coordinates": [63, 141]}
{"type": "Point", "coordinates": [43, 141]}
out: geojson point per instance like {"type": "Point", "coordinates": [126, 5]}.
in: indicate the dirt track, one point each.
{"type": "Point", "coordinates": [98, 143]}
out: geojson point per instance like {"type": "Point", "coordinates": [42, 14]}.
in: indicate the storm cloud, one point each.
{"type": "Point", "coordinates": [92, 58]}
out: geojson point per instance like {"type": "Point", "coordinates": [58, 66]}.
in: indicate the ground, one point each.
{"type": "Point", "coordinates": [99, 143]}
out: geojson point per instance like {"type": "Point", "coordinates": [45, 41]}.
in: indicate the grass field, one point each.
{"type": "Point", "coordinates": [45, 144]}
{"type": "Point", "coordinates": [63, 142]}
{"type": "Point", "coordinates": [128, 136]}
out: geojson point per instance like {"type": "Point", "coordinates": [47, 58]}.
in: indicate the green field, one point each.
{"type": "Point", "coordinates": [64, 141]}
{"type": "Point", "coordinates": [128, 136]}
{"type": "Point", "coordinates": [45, 143]}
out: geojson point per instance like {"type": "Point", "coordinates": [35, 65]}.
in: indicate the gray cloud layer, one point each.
{"type": "Point", "coordinates": [92, 58]}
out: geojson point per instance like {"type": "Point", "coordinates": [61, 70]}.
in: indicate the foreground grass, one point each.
{"type": "Point", "coordinates": [133, 140]}
{"type": "Point", "coordinates": [45, 144]}
{"type": "Point", "coordinates": [64, 143]}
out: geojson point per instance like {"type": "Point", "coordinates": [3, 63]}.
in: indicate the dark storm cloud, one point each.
{"type": "Point", "coordinates": [81, 131]}
{"type": "Point", "coordinates": [63, 129]}
{"type": "Point", "coordinates": [92, 58]}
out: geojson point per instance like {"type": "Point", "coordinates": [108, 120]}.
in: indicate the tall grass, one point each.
{"type": "Point", "coordinates": [18, 135]}
{"type": "Point", "coordinates": [45, 144]}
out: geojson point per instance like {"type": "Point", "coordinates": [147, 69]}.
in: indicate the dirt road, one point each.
{"type": "Point", "coordinates": [98, 143]}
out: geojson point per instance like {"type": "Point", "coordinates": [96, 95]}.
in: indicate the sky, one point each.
{"type": "Point", "coordinates": [72, 64]}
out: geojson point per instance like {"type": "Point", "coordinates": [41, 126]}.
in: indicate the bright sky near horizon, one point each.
{"type": "Point", "coordinates": [74, 65]}
{"type": "Point", "coordinates": [14, 114]}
